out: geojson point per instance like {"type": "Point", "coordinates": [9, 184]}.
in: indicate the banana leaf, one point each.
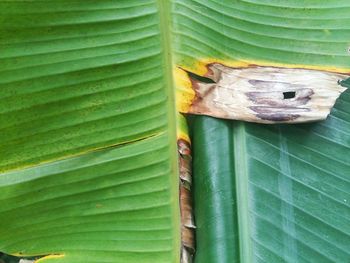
{"type": "Point", "coordinates": [88, 155]}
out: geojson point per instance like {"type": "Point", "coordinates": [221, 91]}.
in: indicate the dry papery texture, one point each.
{"type": "Point", "coordinates": [265, 94]}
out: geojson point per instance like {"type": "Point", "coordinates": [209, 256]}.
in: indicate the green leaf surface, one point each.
{"type": "Point", "coordinates": [76, 76]}
{"type": "Point", "coordinates": [114, 205]}
{"type": "Point", "coordinates": [87, 126]}
{"type": "Point", "coordinates": [291, 186]}
{"type": "Point", "coordinates": [305, 32]}
{"type": "Point", "coordinates": [214, 192]}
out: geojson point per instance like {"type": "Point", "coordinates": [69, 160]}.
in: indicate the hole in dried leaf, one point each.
{"type": "Point", "coordinates": [288, 95]}
{"type": "Point", "coordinates": [200, 78]}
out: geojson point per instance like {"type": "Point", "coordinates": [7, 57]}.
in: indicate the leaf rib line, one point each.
{"type": "Point", "coordinates": [298, 207]}
{"type": "Point", "coordinates": [241, 174]}
{"type": "Point", "coordinates": [301, 160]}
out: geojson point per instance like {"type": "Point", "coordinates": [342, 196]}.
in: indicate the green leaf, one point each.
{"type": "Point", "coordinates": [214, 191]}
{"type": "Point", "coordinates": [87, 125]}
{"type": "Point", "coordinates": [305, 33]}
{"type": "Point", "coordinates": [114, 205]}
{"type": "Point", "coordinates": [79, 77]}
{"type": "Point", "coordinates": [287, 186]}
{"type": "Point", "coordinates": [346, 83]}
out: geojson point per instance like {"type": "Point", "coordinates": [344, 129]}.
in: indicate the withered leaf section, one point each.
{"type": "Point", "coordinates": [265, 94]}
{"type": "Point", "coordinates": [187, 222]}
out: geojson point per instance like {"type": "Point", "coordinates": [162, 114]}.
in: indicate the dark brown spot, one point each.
{"type": "Point", "coordinates": [273, 110]}
{"type": "Point", "coordinates": [276, 117]}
